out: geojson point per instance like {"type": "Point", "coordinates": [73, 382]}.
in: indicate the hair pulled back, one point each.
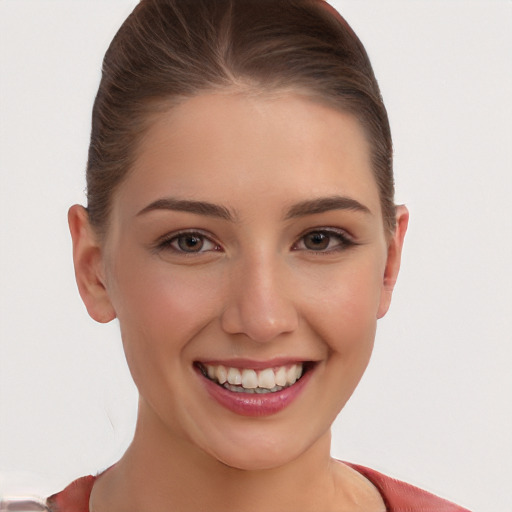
{"type": "Point", "coordinates": [170, 50]}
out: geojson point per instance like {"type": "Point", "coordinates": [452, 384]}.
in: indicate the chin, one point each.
{"type": "Point", "coordinates": [262, 451]}
{"type": "Point", "coordinates": [256, 460]}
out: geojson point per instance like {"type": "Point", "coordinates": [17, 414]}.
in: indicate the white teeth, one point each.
{"type": "Point", "coordinates": [281, 376]}
{"type": "Point", "coordinates": [249, 379]}
{"type": "Point", "coordinates": [211, 371]}
{"type": "Point", "coordinates": [259, 391]}
{"type": "Point", "coordinates": [266, 379]}
{"type": "Point", "coordinates": [263, 381]}
{"type": "Point", "coordinates": [291, 375]}
{"type": "Point", "coordinates": [221, 374]}
{"type": "Point", "coordinates": [234, 376]}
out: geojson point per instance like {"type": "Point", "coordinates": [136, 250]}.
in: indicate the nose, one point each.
{"type": "Point", "coordinates": [258, 304]}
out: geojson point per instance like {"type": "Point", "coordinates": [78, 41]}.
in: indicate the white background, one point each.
{"type": "Point", "coordinates": [435, 407]}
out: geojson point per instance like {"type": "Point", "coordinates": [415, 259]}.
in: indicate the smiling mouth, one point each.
{"type": "Point", "coordinates": [247, 380]}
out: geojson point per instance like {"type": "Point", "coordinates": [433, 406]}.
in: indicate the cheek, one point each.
{"type": "Point", "coordinates": [160, 308]}
{"type": "Point", "coordinates": [340, 312]}
{"type": "Point", "coordinates": [342, 303]}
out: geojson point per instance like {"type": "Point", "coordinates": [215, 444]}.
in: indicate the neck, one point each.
{"type": "Point", "coordinates": [162, 472]}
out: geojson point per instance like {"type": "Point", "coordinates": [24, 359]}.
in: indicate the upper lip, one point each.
{"type": "Point", "coordinates": [254, 364]}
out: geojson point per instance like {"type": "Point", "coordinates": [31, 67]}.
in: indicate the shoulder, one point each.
{"type": "Point", "coordinates": [74, 498]}
{"type": "Point", "coordinates": [398, 496]}
{"type": "Point", "coordinates": [402, 497]}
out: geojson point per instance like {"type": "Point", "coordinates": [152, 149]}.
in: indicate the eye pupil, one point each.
{"type": "Point", "coordinates": [316, 241]}
{"type": "Point", "coordinates": [190, 243]}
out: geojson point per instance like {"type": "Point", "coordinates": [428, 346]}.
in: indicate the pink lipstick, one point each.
{"type": "Point", "coordinates": [249, 392]}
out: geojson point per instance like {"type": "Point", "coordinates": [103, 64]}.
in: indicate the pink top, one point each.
{"type": "Point", "coordinates": [398, 496]}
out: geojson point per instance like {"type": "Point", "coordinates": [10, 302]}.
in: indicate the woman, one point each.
{"type": "Point", "coordinates": [241, 227]}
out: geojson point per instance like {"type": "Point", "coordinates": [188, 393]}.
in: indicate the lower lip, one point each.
{"type": "Point", "coordinates": [255, 404]}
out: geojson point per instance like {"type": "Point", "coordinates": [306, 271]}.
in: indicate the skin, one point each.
{"type": "Point", "coordinates": [257, 289]}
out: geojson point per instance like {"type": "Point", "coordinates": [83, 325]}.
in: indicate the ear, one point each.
{"type": "Point", "coordinates": [395, 245]}
{"type": "Point", "coordinates": [88, 261]}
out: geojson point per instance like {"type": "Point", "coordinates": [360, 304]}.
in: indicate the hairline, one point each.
{"type": "Point", "coordinates": [155, 107]}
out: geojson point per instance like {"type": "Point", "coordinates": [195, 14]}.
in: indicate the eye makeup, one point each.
{"type": "Point", "coordinates": [187, 242]}
{"type": "Point", "coordinates": [324, 240]}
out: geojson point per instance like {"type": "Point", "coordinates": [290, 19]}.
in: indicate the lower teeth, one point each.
{"type": "Point", "coordinates": [240, 389]}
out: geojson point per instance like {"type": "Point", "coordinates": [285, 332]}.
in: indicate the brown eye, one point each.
{"type": "Point", "coordinates": [189, 243]}
{"type": "Point", "coordinates": [317, 241]}
{"type": "Point", "coordinates": [324, 241]}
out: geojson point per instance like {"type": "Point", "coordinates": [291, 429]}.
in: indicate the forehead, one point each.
{"type": "Point", "coordinates": [235, 147]}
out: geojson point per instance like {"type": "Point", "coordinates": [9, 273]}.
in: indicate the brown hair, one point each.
{"type": "Point", "coordinates": [168, 50]}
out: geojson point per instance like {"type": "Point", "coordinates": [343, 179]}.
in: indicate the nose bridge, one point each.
{"type": "Point", "coordinates": [259, 305]}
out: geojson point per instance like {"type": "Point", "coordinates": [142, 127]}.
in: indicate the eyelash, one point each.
{"type": "Point", "coordinates": [167, 241]}
{"type": "Point", "coordinates": [345, 241]}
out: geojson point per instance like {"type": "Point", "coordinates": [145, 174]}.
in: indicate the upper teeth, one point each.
{"type": "Point", "coordinates": [269, 378]}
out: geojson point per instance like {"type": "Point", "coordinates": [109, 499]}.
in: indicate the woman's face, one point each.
{"type": "Point", "coordinates": [247, 244]}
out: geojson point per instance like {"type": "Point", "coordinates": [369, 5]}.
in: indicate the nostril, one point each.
{"type": "Point", "coordinates": [260, 324]}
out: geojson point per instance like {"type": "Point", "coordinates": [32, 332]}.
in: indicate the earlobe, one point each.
{"type": "Point", "coordinates": [393, 259]}
{"type": "Point", "coordinates": [87, 259]}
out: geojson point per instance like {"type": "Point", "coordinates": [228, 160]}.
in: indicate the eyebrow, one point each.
{"type": "Point", "coordinates": [308, 207]}
{"type": "Point", "coordinates": [190, 206]}
{"type": "Point", "coordinates": [325, 204]}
